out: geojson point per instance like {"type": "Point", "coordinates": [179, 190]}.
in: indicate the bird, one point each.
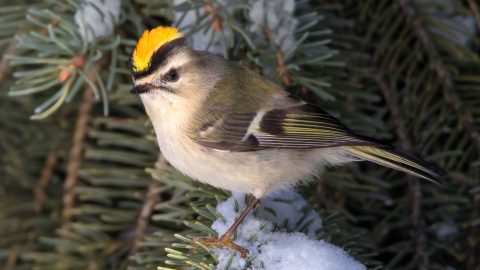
{"type": "Point", "coordinates": [225, 125]}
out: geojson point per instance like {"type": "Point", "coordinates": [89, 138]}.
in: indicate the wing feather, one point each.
{"type": "Point", "coordinates": [300, 126]}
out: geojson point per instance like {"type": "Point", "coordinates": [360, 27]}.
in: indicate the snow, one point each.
{"type": "Point", "coordinates": [459, 27]}
{"type": "Point", "coordinates": [97, 18]}
{"type": "Point", "coordinates": [205, 38]}
{"type": "Point", "coordinates": [272, 240]}
{"type": "Point", "coordinates": [289, 210]}
{"type": "Point", "coordinates": [296, 251]}
{"type": "Point", "coordinates": [277, 15]}
{"type": "Point", "coordinates": [445, 230]}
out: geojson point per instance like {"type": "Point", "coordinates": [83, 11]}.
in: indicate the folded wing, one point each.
{"type": "Point", "coordinates": [296, 127]}
{"type": "Point", "coordinates": [304, 126]}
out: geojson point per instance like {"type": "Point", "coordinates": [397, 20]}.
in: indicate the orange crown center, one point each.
{"type": "Point", "coordinates": [149, 43]}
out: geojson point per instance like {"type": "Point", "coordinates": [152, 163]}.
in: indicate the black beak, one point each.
{"type": "Point", "coordinates": [139, 89]}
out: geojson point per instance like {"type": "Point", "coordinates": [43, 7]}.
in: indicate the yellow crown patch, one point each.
{"type": "Point", "coordinates": [150, 42]}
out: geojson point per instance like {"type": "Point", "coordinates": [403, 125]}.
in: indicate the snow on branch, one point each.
{"type": "Point", "coordinates": [276, 16]}
{"type": "Point", "coordinates": [282, 234]}
{"type": "Point", "coordinates": [96, 19]}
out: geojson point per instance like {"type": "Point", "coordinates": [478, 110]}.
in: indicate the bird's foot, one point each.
{"type": "Point", "coordinates": [224, 241]}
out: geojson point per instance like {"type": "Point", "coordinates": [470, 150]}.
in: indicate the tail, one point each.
{"type": "Point", "coordinates": [395, 159]}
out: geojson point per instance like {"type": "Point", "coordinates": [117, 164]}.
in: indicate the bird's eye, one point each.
{"type": "Point", "coordinates": [172, 75]}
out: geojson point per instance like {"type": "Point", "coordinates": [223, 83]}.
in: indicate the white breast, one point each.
{"type": "Point", "coordinates": [220, 169]}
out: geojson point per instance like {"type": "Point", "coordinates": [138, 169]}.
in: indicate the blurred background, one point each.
{"type": "Point", "coordinates": [83, 185]}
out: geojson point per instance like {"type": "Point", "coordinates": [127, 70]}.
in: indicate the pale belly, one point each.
{"type": "Point", "coordinates": [258, 172]}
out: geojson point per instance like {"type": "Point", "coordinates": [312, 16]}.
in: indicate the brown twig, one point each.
{"type": "Point", "coordinates": [92, 265]}
{"type": "Point", "coordinates": [12, 258]}
{"type": "Point", "coordinates": [44, 31]}
{"type": "Point", "coordinates": [78, 62]}
{"type": "Point", "coordinates": [282, 69]}
{"type": "Point", "coordinates": [5, 61]}
{"type": "Point", "coordinates": [474, 8]}
{"type": "Point", "coordinates": [419, 223]}
{"type": "Point", "coordinates": [75, 156]}
{"type": "Point", "coordinates": [391, 100]}
{"type": "Point", "coordinates": [214, 15]}
{"type": "Point", "coordinates": [39, 194]}
{"type": "Point", "coordinates": [472, 255]}
{"type": "Point", "coordinates": [151, 199]}
{"type": "Point", "coordinates": [281, 66]}
{"type": "Point", "coordinates": [415, 191]}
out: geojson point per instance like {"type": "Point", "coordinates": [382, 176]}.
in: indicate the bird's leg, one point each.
{"type": "Point", "coordinates": [226, 239]}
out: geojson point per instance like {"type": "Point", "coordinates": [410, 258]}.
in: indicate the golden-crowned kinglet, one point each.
{"type": "Point", "coordinates": [229, 127]}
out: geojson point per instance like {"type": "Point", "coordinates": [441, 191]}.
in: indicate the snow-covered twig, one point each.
{"type": "Point", "coordinates": [282, 234]}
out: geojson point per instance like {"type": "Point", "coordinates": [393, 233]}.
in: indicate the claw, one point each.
{"type": "Point", "coordinates": [224, 241]}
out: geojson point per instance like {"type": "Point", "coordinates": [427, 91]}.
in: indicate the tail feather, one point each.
{"type": "Point", "coordinates": [395, 159]}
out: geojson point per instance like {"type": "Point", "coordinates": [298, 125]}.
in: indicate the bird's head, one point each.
{"type": "Point", "coordinates": [168, 75]}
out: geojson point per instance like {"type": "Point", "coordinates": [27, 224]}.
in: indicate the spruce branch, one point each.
{"type": "Point", "coordinates": [143, 220]}
{"type": "Point", "coordinates": [465, 116]}
{"type": "Point", "coordinates": [39, 193]}
{"type": "Point", "coordinates": [109, 197]}
{"type": "Point", "coordinates": [415, 192]}
{"type": "Point", "coordinates": [474, 9]}
{"type": "Point", "coordinates": [418, 217]}
{"type": "Point", "coordinates": [12, 21]}
{"type": "Point", "coordinates": [12, 258]}
{"type": "Point", "coordinates": [75, 156]}
{"type": "Point", "coordinates": [290, 57]}
{"type": "Point", "coordinates": [214, 14]}
{"type": "Point", "coordinates": [391, 100]}
{"type": "Point", "coordinates": [4, 61]}
{"type": "Point", "coordinates": [57, 53]}
{"type": "Point", "coordinates": [281, 66]}
{"type": "Point", "coordinates": [472, 251]}
{"type": "Point", "coordinates": [411, 74]}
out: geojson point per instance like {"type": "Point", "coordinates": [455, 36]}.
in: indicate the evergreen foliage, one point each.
{"type": "Point", "coordinates": [83, 185]}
